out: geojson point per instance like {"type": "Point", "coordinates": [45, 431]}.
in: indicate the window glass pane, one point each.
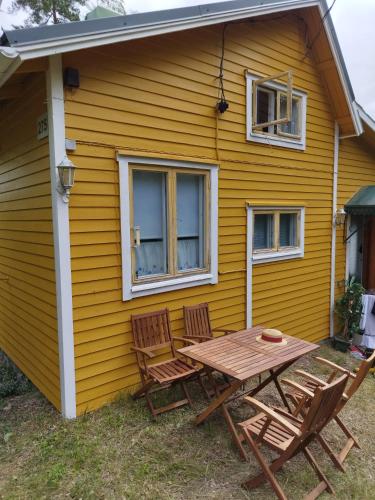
{"type": "Point", "coordinates": [288, 230]}
{"type": "Point", "coordinates": [150, 214]}
{"type": "Point", "coordinates": [263, 231]}
{"type": "Point", "coordinates": [265, 107]}
{"type": "Point", "coordinates": [190, 221]}
{"type": "Point", "coordinates": [293, 126]}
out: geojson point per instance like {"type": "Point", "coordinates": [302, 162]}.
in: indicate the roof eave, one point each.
{"type": "Point", "coordinates": [71, 43]}
{"type": "Point", "coordinates": [10, 60]}
{"type": "Point", "coordinates": [74, 42]}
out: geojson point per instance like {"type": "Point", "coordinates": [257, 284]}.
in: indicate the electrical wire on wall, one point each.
{"type": "Point", "coordinates": [310, 45]}
{"type": "Point", "coordinates": [222, 104]}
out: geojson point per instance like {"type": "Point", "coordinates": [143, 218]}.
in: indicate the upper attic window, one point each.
{"type": "Point", "coordinates": [276, 111]}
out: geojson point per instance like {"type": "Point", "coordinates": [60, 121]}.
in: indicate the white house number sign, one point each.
{"type": "Point", "coordinates": [42, 126]}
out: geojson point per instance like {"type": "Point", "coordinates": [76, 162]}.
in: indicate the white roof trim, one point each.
{"type": "Point", "coordinates": [370, 122]}
{"type": "Point", "coordinates": [9, 62]}
{"type": "Point", "coordinates": [344, 83]}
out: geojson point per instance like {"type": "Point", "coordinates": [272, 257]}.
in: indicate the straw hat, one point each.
{"type": "Point", "coordinates": [271, 336]}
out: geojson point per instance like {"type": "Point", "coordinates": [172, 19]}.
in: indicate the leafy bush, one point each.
{"type": "Point", "coordinates": [349, 308]}
{"type": "Point", "coordinates": [12, 381]}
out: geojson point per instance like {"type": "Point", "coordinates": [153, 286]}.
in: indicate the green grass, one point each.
{"type": "Point", "coordinates": [120, 452]}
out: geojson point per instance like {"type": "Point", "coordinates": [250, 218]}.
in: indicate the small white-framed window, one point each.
{"type": "Point", "coordinates": [169, 224]}
{"type": "Point", "coordinates": [277, 233]}
{"type": "Point", "coordinates": [276, 112]}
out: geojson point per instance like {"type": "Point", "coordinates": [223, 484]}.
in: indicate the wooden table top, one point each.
{"type": "Point", "coordinates": [242, 357]}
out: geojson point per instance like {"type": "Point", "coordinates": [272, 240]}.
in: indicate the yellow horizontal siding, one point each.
{"type": "Point", "coordinates": [28, 325]}
{"type": "Point", "coordinates": [356, 169]}
{"type": "Point", "coordinates": [159, 96]}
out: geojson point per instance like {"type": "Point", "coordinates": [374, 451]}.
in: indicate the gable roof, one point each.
{"type": "Point", "coordinates": [21, 45]}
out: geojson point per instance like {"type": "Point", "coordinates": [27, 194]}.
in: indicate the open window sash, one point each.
{"type": "Point", "coordinates": [279, 120]}
{"type": "Point", "coordinates": [295, 117]}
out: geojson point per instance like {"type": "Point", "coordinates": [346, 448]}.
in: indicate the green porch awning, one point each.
{"type": "Point", "coordinates": [362, 203]}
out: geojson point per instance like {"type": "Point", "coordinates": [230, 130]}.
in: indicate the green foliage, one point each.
{"type": "Point", "coordinates": [116, 6]}
{"type": "Point", "coordinates": [12, 381]}
{"type": "Point", "coordinates": [349, 307]}
{"type": "Point", "coordinates": [48, 11]}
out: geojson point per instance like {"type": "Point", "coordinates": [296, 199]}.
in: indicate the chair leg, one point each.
{"type": "Point", "coordinates": [143, 390]}
{"type": "Point", "coordinates": [336, 462]}
{"type": "Point", "coordinates": [268, 472]}
{"type": "Point", "coordinates": [201, 383]}
{"type": "Point", "coordinates": [150, 404]}
{"type": "Point", "coordinates": [346, 431]}
{"type": "Point", "coordinates": [324, 483]}
{"type": "Point", "coordinates": [186, 392]}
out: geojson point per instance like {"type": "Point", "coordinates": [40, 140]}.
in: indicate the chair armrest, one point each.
{"type": "Point", "coordinates": [224, 330]}
{"type": "Point", "coordinates": [184, 340]}
{"type": "Point", "coordinates": [297, 386]}
{"type": "Point", "coordinates": [330, 364]}
{"type": "Point", "coordinates": [143, 351]}
{"type": "Point", "coordinates": [196, 337]}
{"type": "Point", "coordinates": [313, 379]}
{"type": "Point", "coordinates": [286, 414]}
{"type": "Point", "coordinates": [272, 415]}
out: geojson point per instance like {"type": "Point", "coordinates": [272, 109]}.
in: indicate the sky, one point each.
{"type": "Point", "coordinates": [354, 21]}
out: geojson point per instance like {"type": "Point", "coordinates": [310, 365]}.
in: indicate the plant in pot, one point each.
{"type": "Point", "coordinates": [349, 310]}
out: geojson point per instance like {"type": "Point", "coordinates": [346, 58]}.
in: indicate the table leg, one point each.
{"type": "Point", "coordinates": [278, 387]}
{"type": "Point", "coordinates": [273, 377]}
{"type": "Point", "coordinates": [221, 398]}
{"type": "Point", "coordinates": [219, 402]}
{"type": "Point", "coordinates": [233, 430]}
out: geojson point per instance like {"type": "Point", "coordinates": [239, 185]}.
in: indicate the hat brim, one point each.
{"type": "Point", "coordinates": [259, 339]}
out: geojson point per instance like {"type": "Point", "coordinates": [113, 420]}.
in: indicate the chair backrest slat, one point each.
{"type": "Point", "coordinates": [197, 321]}
{"type": "Point", "coordinates": [151, 329]}
{"type": "Point", "coordinates": [363, 370]}
{"type": "Point", "coordinates": [324, 405]}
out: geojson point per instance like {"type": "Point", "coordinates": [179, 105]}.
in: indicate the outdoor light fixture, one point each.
{"type": "Point", "coordinates": [66, 174]}
{"type": "Point", "coordinates": [340, 217]}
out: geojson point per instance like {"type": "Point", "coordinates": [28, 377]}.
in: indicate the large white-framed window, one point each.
{"type": "Point", "coordinates": [169, 224]}
{"type": "Point", "coordinates": [277, 233]}
{"type": "Point", "coordinates": [275, 113]}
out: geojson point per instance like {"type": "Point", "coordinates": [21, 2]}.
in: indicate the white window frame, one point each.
{"type": "Point", "coordinates": [132, 290]}
{"type": "Point", "coordinates": [259, 257]}
{"type": "Point", "coordinates": [282, 140]}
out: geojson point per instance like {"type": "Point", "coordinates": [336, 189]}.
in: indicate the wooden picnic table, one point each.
{"type": "Point", "coordinates": [241, 357]}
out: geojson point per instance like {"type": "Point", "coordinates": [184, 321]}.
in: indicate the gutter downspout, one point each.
{"type": "Point", "coordinates": [333, 240]}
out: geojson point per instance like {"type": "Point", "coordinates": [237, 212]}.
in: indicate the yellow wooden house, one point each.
{"type": "Point", "coordinates": [214, 148]}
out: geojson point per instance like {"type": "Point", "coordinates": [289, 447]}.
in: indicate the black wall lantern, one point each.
{"type": "Point", "coordinates": [71, 78]}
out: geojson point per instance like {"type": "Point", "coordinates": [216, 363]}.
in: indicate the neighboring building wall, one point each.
{"type": "Point", "coordinates": [28, 326]}
{"type": "Point", "coordinates": [158, 95]}
{"type": "Point", "coordinates": [356, 169]}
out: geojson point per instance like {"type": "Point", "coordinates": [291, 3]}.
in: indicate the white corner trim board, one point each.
{"type": "Point", "coordinates": [61, 237]}
{"type": "Point", "coordinates": [131, 291]}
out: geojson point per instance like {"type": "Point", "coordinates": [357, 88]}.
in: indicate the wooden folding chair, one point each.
{"type": "Point", "coordinates": [198, 325]}
{"type": "Point", "coordinates": [311, 382]}
{"type": "Point", "coordinates": [152, 333]}
{"type": "Point", "coordinates": [198, 328]}
{"type": "Point", "coordinates": [289, 435]}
